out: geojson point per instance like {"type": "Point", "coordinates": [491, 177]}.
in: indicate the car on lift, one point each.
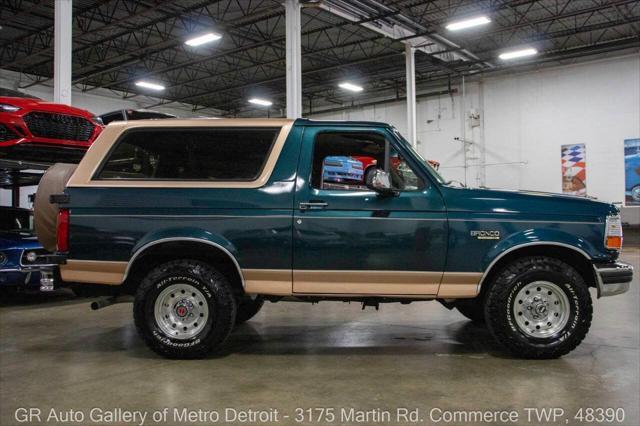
{"type": "Point", "coordinates": [133, 114]}
{"type": "Point", "coordinates": [32, 129]}
{"type": "Point", "coordinates": [20, 251]}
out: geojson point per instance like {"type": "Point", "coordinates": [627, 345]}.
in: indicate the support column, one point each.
{"type": "Point", "coordinates": [63, 25]}
{"type": "Point", "coordinates": [294, 59]}
{"type": "Point", "coordinates": [412, 132]}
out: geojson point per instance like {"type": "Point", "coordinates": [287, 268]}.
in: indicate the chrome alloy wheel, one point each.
{"type": "Point", "coordinates": [181, 311]}
{"type": "Point", "coordinates": [541, 309]}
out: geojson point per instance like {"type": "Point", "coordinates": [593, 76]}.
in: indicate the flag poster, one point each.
{"type": "Point", "coordinates": [574, 169]}
{"type": "Point", "coordinates": [632, 172]}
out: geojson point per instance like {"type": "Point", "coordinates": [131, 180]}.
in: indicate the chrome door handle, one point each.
{"type": "Point", "coordinates": [313, 205]}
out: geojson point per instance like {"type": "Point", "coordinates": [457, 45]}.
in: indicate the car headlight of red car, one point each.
{"type": "Point", "coordinates": [8, 108]}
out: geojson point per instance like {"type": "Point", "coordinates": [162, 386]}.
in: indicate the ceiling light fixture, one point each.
{"type": "Point", "coordinates": [203, 39]}
{"type": "Point", "coordinates": [261, 102]}
{"type": "Point", "coordinates": [148, 85]}
{"type": "Point", "coordinates": [350, 86]}
{"type": "Point", "coordinates": [518, 54]}
{"type": "Point", "coordinates": [468, 23]}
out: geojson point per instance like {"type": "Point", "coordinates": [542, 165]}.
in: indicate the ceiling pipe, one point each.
{"type": "Point", "coordinates": [399, 27]}
{"type": "Point", "coordinates": [421, 43]}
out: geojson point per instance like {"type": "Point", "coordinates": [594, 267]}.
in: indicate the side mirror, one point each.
{"type": "Point", "coordinates": [380, 181]}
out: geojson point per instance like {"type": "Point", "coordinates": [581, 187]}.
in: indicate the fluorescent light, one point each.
{"type": "Point", "coordinates": [203, 39]}
{"type": "Point", "coordinates": [468, 23]}
{"type": "Point", "coordinates": [261, 102]}
{"type": "Point", "coordinates": [351, 87]}
{"type": "Point", "coordinates": [148, 85]}
{"type": "Point", "coordinates": [518, 53]}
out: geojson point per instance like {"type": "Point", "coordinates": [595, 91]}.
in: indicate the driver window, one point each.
{"type": "Point", "coordinates": [342, 161]}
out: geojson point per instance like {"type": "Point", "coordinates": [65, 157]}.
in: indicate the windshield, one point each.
{"type": "Point", "coordinates": [408, 146]}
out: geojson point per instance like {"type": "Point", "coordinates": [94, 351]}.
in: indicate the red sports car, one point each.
{"type": "Point", "coordinates": [32, 129]}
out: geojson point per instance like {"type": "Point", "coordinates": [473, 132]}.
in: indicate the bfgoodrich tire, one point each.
{"type": "Point", "coordinates": [538, 307]}
{"type": "Point", "coordinates": [184, 309]}
{"type": "Point", "coordinates": [248, 307]}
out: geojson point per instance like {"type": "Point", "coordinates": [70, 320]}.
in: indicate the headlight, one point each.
{"type": "Point", "coordinates": [8, 108]}
{"type": "Point", "coordinates": [613, 233]}
{"type": "Point", "coordinates": [31, 256]}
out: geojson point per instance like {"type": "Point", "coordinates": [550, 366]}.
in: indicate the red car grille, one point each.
{"type": "Point", "coordinates": [6, 133]}
{"type": "Point", "coordinates": [59, 126]}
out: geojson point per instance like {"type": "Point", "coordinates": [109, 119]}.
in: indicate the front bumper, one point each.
{"type": "Point", "coordinates": [613, 278]}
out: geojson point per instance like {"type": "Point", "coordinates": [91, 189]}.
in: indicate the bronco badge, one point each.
{"type": "Point", "coordinates": [486, 235]}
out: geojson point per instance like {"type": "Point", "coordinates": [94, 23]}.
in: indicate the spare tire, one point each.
{"type": "Point", "coordinates": [45, 214]}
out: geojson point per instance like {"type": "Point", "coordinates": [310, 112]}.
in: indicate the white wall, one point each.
{"type": "Point", "coordinates": [526, 118]}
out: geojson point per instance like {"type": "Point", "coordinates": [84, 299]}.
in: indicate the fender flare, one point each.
{"type": "Point", "coordinates": [176, 235]}
{"type": "Point", "coordinates": [544, 237]}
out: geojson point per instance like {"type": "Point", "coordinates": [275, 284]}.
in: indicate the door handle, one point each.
{"type": "Point", "coordinates": [313, 205]}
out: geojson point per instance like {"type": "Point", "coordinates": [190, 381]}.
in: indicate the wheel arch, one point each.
{"type": "Point", "coordinates": [575, 256]}
{"type": "Point", "coordinates": [155, 252]}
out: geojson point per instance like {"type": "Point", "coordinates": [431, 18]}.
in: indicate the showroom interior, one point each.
{"type": "Point", "coordinates": [525, 95]}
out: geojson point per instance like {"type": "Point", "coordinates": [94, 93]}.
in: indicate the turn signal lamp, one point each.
{"type": "Point", "coordinates": [613, 233]}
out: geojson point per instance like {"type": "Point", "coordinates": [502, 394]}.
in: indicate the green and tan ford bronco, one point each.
{"type": "Point", "coordinates": [201, 221]}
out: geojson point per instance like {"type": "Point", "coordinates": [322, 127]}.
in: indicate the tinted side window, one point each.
{"type": "Point", "coordinates": [190, 154]}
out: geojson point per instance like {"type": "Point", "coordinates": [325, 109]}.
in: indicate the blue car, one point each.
{"type": "Point", "coordinates": [19, 249]}
{"type": "Point", "coordinates": [342, 169]}
{"type": "Point", "coordinates": [632, 178]}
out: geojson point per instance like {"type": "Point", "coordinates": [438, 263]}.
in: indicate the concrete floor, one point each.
{"type": "Point", "coordinates": [59, 354]}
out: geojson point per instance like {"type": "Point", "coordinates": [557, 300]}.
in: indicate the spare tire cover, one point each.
{"type": "Point", "coordinates": [45, 214]}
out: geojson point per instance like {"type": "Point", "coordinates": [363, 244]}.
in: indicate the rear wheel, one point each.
{"type": "Point", "coordinates": [184, 309]}
{"type": "Point", "coordinates": [538, 307]}
{"type": "Point", "coordinates": [248, 307]}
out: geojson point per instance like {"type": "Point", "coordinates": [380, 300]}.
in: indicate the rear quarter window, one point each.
{"type": "Point", "coordinates": [219, 154]}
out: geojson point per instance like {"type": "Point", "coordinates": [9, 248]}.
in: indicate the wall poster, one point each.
{"type": "Point", "coordinates": [574, 169]}
{"type": "Point", "coordinates": [632, 172]}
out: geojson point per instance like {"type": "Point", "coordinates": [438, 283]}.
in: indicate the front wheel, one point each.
{"type": "Point", "coordinates": [538, 307]}
{"type": "Point", "coordinates": [184, 309]}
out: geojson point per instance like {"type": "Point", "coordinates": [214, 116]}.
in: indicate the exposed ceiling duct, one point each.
{"type": "Point", "coordinates": [395, 25]}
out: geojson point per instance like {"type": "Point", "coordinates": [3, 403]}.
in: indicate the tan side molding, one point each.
{"type": "Point", "coordinates": [276, 282]}
{"type": "Point", "coordinates": [93, 271]}
{"type": "Point", "coordinates": [459, 285]}
{"type": "Point", "coordinates": [285, 282]}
